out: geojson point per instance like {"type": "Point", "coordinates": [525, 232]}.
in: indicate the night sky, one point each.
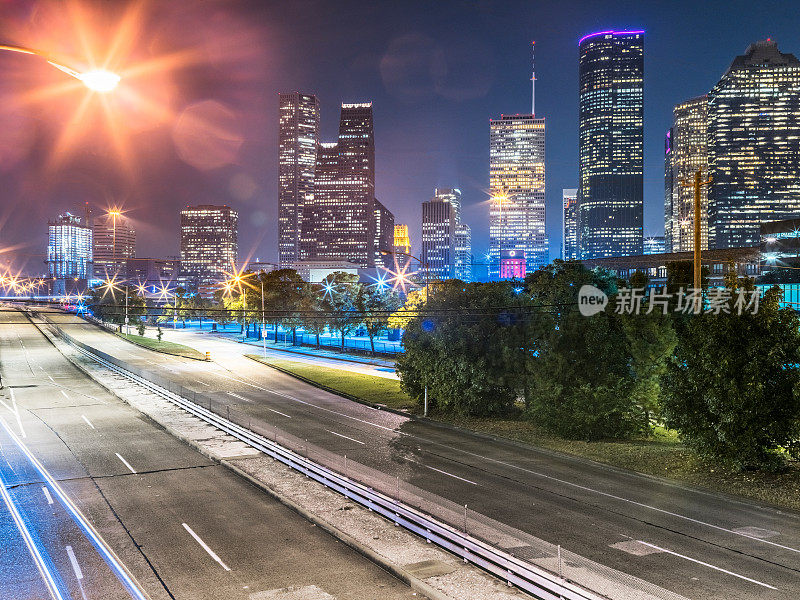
{"type": "Point", "coordinates": [435, 71]}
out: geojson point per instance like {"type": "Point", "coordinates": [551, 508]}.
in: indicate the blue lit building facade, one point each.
{"type": "Point", "coordinates": [69, 252]}
{"type": "Point", "coordinates": [611, 112]}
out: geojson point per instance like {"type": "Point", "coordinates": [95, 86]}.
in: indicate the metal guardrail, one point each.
{"type": "Point", "coordinates": [529, 578]}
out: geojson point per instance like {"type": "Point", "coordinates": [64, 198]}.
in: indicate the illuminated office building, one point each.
{"type": "Point", "coordinates": [446, 241]}
{"type": "Point", "coordinates": [69, 250]}
{"type": "Point", "coordinates": [569, 228]}
{"type": "Point", "coordinates": [298, 135]}
{"type": "Point", "coordinates": [209, 244]}
{"type": "Point", "coordinates": [753, 145]}
{"type": "Point", "coordinates": [517, 184]}
{"type": "Point", "coordinates": [344, 220]}
{"type": "Point", "coordinates": [402, 241]}
{"type": "Point", "coordinates": [610, 210]}
{"type": "Point", "coordinates": [655, 244]}
{"type": "Point", "coordinates": [114, 242]}
{"type": "Point", "coordinates": [686, 152]}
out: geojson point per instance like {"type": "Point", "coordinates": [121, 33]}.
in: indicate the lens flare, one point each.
{"type": "Point", "coordinates": [100, 80]}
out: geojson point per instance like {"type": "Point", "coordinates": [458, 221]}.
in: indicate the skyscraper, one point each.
{"type": "Point", "coordinates": [753, 145]}
{"type": "Point", "coordinates": [69, 251]}
{"type": "Point", "coordinates": [114, 242]}
{"type": "Point", "coordinates": [685, 152]}
{"type": "Point", "coordinates": [569, 224]}
{"type": "Point", "coordinates": [402, 242]}
{"type": "Point", "coordinates": [209, 244]}
{"type": "Point", "coordinates": [298, 135]}
{"type": "Point", "coordinates": [344, 220]}
{"type": "Point", "coordinates": [446, 242]}
{"type": "Point", "coordinates": [610, 210]}
{"type": "Point", "coordinates": [517, 184]}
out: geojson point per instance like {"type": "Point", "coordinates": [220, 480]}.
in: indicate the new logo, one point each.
{"type": "Point", "coordinates": [591, 300]}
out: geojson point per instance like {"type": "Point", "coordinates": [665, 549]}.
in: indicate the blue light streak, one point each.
{"type": "Point", "coordinates": [51, 578]}
{"type": "Point", "coordinates": [125, 577]}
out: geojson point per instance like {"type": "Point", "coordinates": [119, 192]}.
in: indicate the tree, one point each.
{"type": "Point", "coordinates": [415, 301]}
{"type": "Point", "coordinates": [341, 290]}
{"type": "Point", "coordinates": [284, 291]}
{"type": "Point", "coordinates": [314, 310]}
{"type": "Point", "coordinates": [732, 389]}
{"type": "Point", "coordinates": [108, 304]}
{"type": "Point", "coordinates": [375, 305]}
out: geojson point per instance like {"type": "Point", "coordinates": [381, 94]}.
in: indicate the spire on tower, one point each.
{"type": "Point", "coordinates": [533, 78]}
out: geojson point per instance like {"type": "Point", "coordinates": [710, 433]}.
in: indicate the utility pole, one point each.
{"type": "Point", "coordinates": [697, 184]}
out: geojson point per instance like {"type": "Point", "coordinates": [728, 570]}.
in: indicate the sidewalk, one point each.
{"type": "Point", "coordinates": [308, 351]}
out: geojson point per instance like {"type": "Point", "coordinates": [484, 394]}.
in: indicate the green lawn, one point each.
{"type": "Point", "coordinates": [368, 388]}
{"type": "Point", "coordinates": [164, 346]}
{"type": "Point", "coordinates": [662, 454]}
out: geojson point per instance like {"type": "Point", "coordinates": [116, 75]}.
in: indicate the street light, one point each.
{"type": "Point", "coordinates": [97, 80]}
{"type": "Point", "coordinates": [424, 265]}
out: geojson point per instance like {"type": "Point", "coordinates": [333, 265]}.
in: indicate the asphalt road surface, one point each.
{"type": "Point", "coordinates": [688, 541]}
{"type": "Point", "coordinates": [182, 525]}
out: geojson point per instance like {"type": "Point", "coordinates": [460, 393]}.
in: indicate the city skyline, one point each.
{"type": "Point", "coordinates": [390, 84]}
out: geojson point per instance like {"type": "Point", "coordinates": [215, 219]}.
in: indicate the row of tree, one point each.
{"type": "Point", "coordinates": [282, 298]}
{"type": "Point", "coordinates": [728, 383]}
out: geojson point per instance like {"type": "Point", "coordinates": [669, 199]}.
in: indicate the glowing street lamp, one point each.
{"type": "Point", "coordinates": [97, 80]}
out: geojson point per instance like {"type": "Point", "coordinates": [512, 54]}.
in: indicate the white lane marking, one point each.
{"type": "Point", "coordinates": [88, 422]}
{"type": "Point", "coordinates": [205, 547]}
{"type": "Point", "coordinates": [279, 412]}
{"type": "Point", "coordinates": [705, 564]}
{"type": "Point", "coordinates": [203, 383]}
{"type": "Point", "coordinates": [239, 397]}
{"type": "Point", "coordinates": [74, 562]}
{"type": "Point", "coordinates": [16, 412]}
{"type": "Point", "coordinates": [126, 463]}
{"type": "Point", "coordinates": [446, 473]}
{"type": "Point", "coordinates": [65, 395]}
{"type": "Point", "coordinates": [47, 495]}
{"type": "Point", "coordinates": [50, 378]}
{"type": "Point", "coordinates": [345, 437]}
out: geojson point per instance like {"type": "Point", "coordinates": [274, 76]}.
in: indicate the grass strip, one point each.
{"type": "Point", "coordinates": [163, 346]}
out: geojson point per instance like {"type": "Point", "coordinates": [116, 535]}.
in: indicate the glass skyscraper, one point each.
{"type": "Point", "coordinates": [610, 210]}
{"type": "Point", "coordinates": [114, 242]}
{"type": "Point", "coordinates": [344, 221]}
{"type": "Point", "coordinates": [686, 152]}
{"type": "Point", "coordinates": [569, 229]}
{"type": "Point", "coordinates": [69, 249]}
{"type": "Point", "coordinates": [298, 136]}
{"type": "Point", "coordinates": [209, 245]}
{"type": "Point", "coordinates": [517, 185]}
{"type": "Point", "coordinates": [753, 145]}
{"type": "Point", "coordinates": [446, 241]}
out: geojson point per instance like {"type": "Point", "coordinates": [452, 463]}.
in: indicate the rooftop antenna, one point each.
{"type": "Point", "coordinates": [533, 78]}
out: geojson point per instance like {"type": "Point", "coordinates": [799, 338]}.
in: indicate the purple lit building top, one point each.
{"type": "Point", "coordinates": [607, 32]}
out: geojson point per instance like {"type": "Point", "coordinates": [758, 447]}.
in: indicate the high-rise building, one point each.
{"type": "Point", "coordinates": [114, 242]}
{"type": "Point", "coordinates": [298, 136]}
{"type": "Point", "coordinates": [446, 242]}
{"type": "Point", "coordinates": [463, 253]}
{"type": "Point", "coordinates": [517, 184]}
{"type": "Point", "coordinates": [344, 220]}
{"type": "Point", "coordinates": [209, 244]}
{"type": "Point", "coordinates": [69, 251]}
{"type": "Point", "coordinates": [569, 224]}
{"type": "Point", "coordinates": [655, 244]}
{"type": "Point", "coordinates": [402, 242]}
{"type": "Point", "coordinates": [383, 240]}
{"type": "Point", "coordinates": [753, 145]}
{"type": "Point", "coordinates": [685, 152]}
{"type": "Point", "coordinates": [610, 209]}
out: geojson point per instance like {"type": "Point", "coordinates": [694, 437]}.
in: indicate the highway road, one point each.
{"type": "Point", "coordinates": [182, 525]}
{"type": "Point", "coordinates": [688, 541]}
